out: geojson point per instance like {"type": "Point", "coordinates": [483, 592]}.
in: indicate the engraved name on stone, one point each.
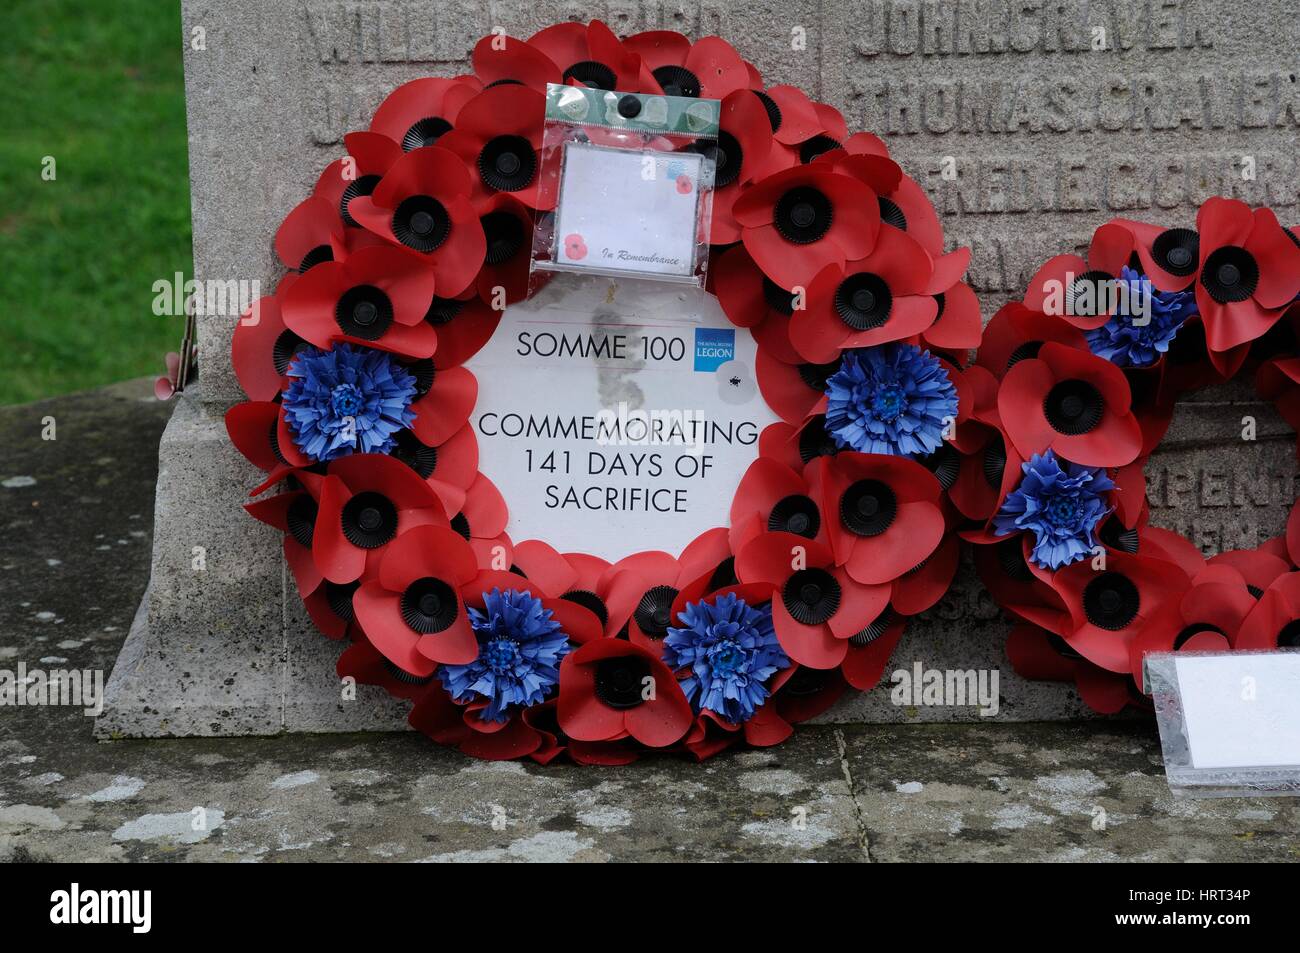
{"type": "Point", "coordinates": [341, 33]}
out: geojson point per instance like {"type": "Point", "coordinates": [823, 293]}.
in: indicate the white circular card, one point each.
{"type": "Point", "coordinates": [617, 416]}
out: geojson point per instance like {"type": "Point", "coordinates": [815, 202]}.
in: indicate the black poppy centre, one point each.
{"type": "Point", "coordinates": [863, 301]}
{"type": "Point", "coordinates": [369, 520]}
{"type": "Point", "coordinates": [421, 222]}
{"type": "Point", "coordinates": [796, 514]}
{"type": "Point", "coordinates": [1111, 601]}
{"type": "Point", "coordinates": [1073, 407]}
{"type": "Point", "coordinates": [803, 215]}
{"type": "Point", "coordinates": [1230, 274]}
{"type": "Point", "coordinates": [429, 605]}
{"type": "Point", "coordinates": [868, 508]}
{"type": "Point", "coordinates": [507, 163]}
{"type": "Point", "coordinates": [811, 596]}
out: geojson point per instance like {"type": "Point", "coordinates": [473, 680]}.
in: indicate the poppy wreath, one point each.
{"type": "Point", "coordinates": [1074, 387]}
{"type": "Point", "coordinates": [359, 416]}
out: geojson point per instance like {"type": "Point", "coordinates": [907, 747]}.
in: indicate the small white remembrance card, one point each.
{"type": "Point", "coordinates": [628, 210]}
{"type": "Point", "coordinates": [1241, 710]}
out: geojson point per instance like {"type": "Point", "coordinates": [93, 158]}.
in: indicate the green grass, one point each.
{"type": "Point", "coordinates": [99, 87]}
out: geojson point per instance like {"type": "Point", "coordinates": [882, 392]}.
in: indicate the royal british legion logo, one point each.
{"type": "Point", "coordinates": [714, 347]}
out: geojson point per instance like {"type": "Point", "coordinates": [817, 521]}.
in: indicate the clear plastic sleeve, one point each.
{"type": "Point", "coordinates": [635, 176]}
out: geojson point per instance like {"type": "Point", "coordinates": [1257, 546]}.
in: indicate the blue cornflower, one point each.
{"type": "Point", "coordinates": [894, 398]}
{"type": "Point", "coordinates": [1061, 507]}
{"type": "Point", "coordinates": [519, 651]}
{"type": "Point", "coordinates": [347, 400]}
{"type": "Point", "coordinates": [731, 651]}
{"type": "Point", "coordinates": [1126, 344]}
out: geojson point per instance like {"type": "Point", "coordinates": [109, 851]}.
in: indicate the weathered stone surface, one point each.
{"type": "Point", "coordinates": [1025, 136]}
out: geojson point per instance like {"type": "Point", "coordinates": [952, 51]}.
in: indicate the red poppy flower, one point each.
{"type": "Point", "coordinates": [1278, 380]}
{"type": "Point", "coordinates": [1277, 546]}
{"type": "Point", "coordinates": [740, 157]}
{"type": "Point", "coordinates": [1011, 580]}
{"type": "Point", "coordinates": [1109, 608]}
{"type": "Point", "coordinates": [882, 513]}
{"type": "Point", "coordinates": [871, 648]}
{"type": "Point", "coordinates": [1015, 333]}
{"type": "Point", "coordinates": [508, 229]}
{"type": "Point", "coordinates": [797, 222]}
{"type": "Point", "coordinates": [791, 390]}
{"type": "Point", "coordinates": [773, 498]}
{"type": "Point", "coordinates": [660, 579]}
{"type": "Point", "coordinates": [1071, 402]}
{"type": "Point", "coordinates": [1164, 544]}
{"type": "Point", "coordinates": [310, 235]}
{"type": "Point", "coordinates": [781, 441]}
{"type": "Point", "coordinates": [366, 665]}
{"type": "Point", "coordinates": [926, 583]}
{"type": "Point", "coordinates": [262, 349]}
{"type": "Point", "coordinates": [505, 61]}
{"type": "Point", "coordinates": [1256, 566]}
{"type": "Point", "coordinates": [791, 114]}
{"type": "Point", "coordinates": [423, 204]}
{"type": "Point", "coordinates": [449, 466]}
{"type": "Point", "coordinates": [711, 733]}
{"type": "Point", "coordinates": [370, 155]}
{"type": "Point", "coordinates": [988, 465]}
{"type": "Point", "coordinates": [576, 580]}
{"type": "Point", "coordinates": [603, 695]}
{"type": "Point", "coordinates": [1205, 619]}
{"type": "Point", "coordinates": [462, 727]}
{"type": "Point", "coordinates": [367, 501]}
{"type": "Point", "coordinates": [827, 133]}
{"type": "Point", "coordinates": [1168, 256]}
{"type": "Point", "coordinates": [807, 693]}
{"type": "Point", "coordinates": [752, 300]}
{"type": "Point", "coordinates": [498, 136]}
{"type": "Point", "coordinates": [259, 431]}
{"type": "Point", "coordinates": [591, 55]}
{"type": "Point", "coordinates": [1185, 367]}
{"type": "Point", "coordinates": [816, 606]}
{"type": "Point", "coordinates": [1042, 656]}
{"type": "Point", "coordinates": [464, 325]}
{"type": "Point", "coordinates": [294, 514]}
{"type": "Point", "coordinates": [709, 68]}
{"type": "Point", "coordinates": [419, 113]}
{"type": "Point", "coordinates": [874, 300]}
{"type": "Point", "coordinates": [1079, 291]}
{"type": "Point", "coordinates": [903, 204]}
{"type": "Point", "coordinates": [482, 521]}
{"type": "Point", "coordinates": [957, 328]}
{"type": "Point", "coordinates": [1274, 622]}
{"type": "Point", "coordinates": [376, 298]}
{"type": "Point", "coordinates": [411, 610]}
{"type": "Point", "coordinates": [1249, 271]}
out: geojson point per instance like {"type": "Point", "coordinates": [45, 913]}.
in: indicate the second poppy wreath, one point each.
{"type": "Point", "coordinates": [1072, 390]}
{"type": "Point", "coordinates": [411, 258]}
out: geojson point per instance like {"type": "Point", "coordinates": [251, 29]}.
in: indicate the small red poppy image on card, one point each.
{"type": "Point", "coordinates": [684, 184]}
{"type": "Point", "coordinates": [574, 247]}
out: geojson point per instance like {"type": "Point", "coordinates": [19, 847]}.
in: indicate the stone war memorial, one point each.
{"type": "Point", "coordinates": [1028, 123]}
